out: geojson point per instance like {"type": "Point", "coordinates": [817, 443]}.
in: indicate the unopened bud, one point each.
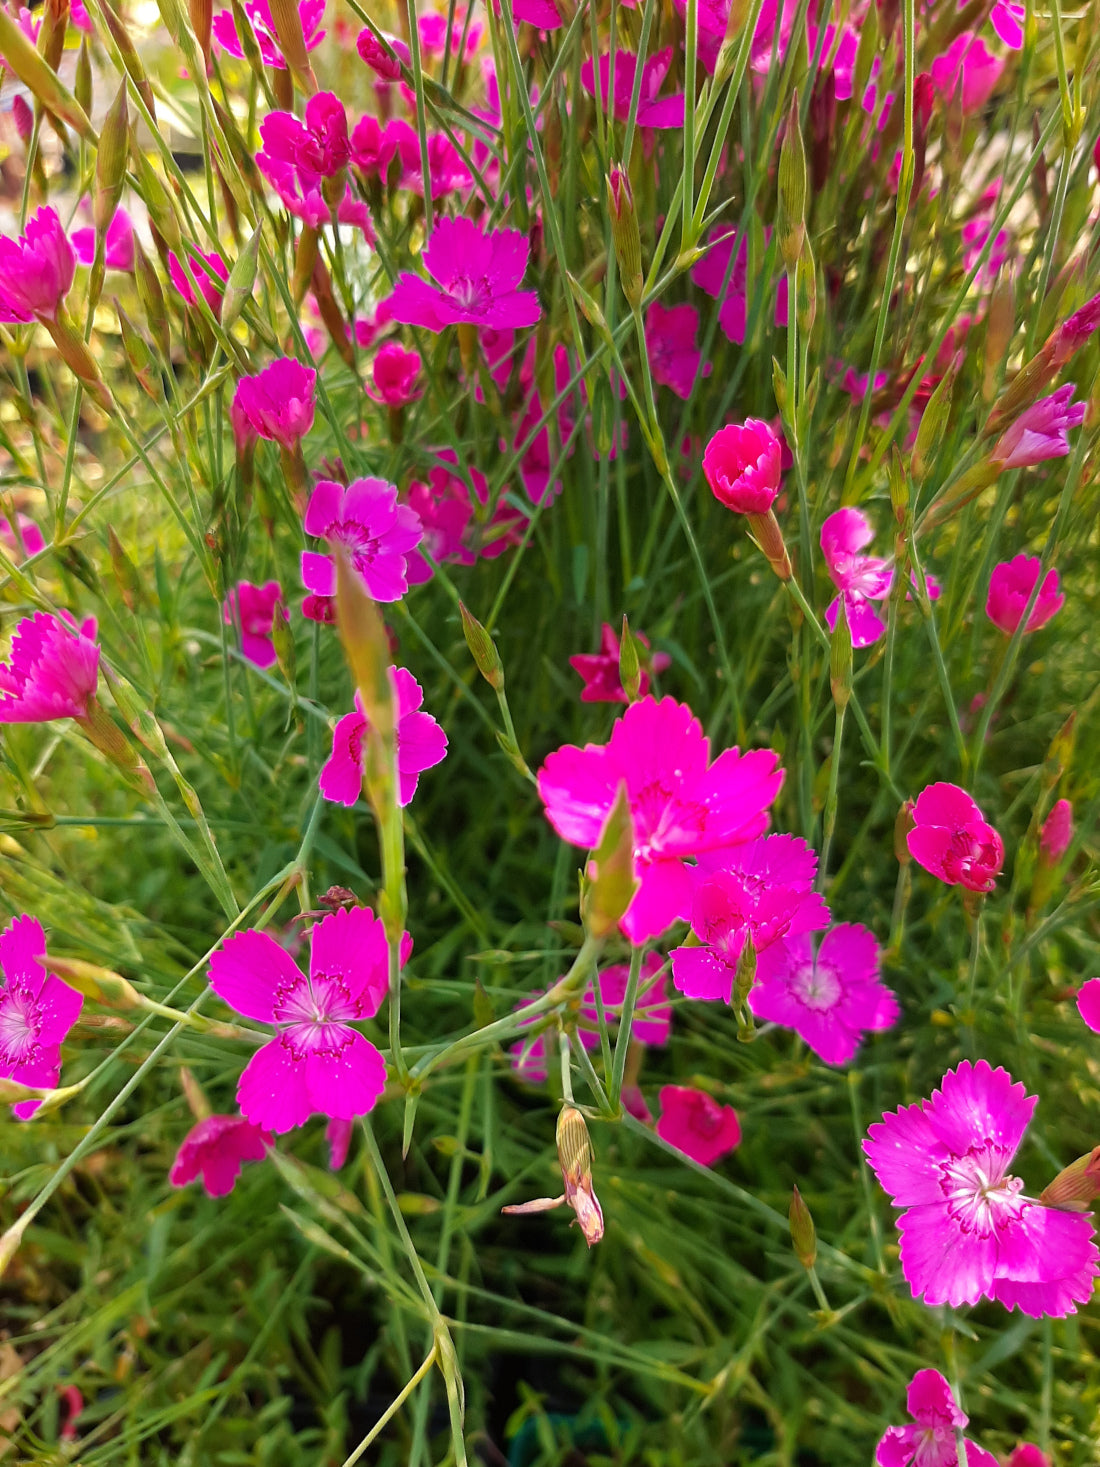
{"type": "Point", "coordinates": [1060, 754]}
{"type": "Point", "coordinates": [575, 1159]}
{"type": "Point", "coordinates": [903, 824]}
{"type": "Point", "coordinates": [283, 641]}
{"type": "Point", "coordinates": [94, 982]}
{"type": "Point", "coordinates": [151, 296]}
{"type": "Point", "coordinates": [483, 650]}
{"type": "Point", "coordinates": [625, 235]}
{"type": "Point", "coordinates": [1076, 1186]}
{"type": "Point", "coordinates": [630, 671]}
{"type": "Point", "coordinates": [767, 534]}
{"type": "Point", "coordinates": [202, 16]}
{"type": "Point", "coordinates": [803, 1232]}
{"type": "Point", "coordinates": [292, 42]}
{"type": "Point", "coordinates": [159, 205]}
{"type": "Point", "coordinates": [779, 387]}
{"type": "Point", "coordinates": [129, 582]}
{"type": "Point", "coordinates": [611, 884]}
{"type": "Point", "coordinates": [1000, 323]}
{"type": "Point", "coordinates": [24, 61]}
{"type": "Point", "coordinates": [197, 1102]}
{"type": "Point", "coordinates": [932, 425]}
{"type": "Point", "coordinates": [792, 189]}
{"type": "Point", "coordinates": [110, 163]}
{"type": "Point", "coordinates": [82, 81]}
{"type": "Point", "coordinates": [899, 488]}
{"type": "Point", "coordinates": [241, 285]}
{"type": "Point", "coordinates": [746, 973]}
{"type": "Point", "coordinates": [840, 659]}
{"type": "Point", "coordinates": [141, 359]}
{"type": "Point", "coordinates": [806, 292]}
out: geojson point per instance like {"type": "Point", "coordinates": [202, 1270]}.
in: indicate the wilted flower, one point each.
{"type": "Point", "coordinates": [695, 1123]}
{"type": "Point", "coordinates": [575, 1160]}
{"type": "Point", "coordinates": [1010, 588]}
{"type": "Point", "coordinates": [36, 1011]}
{"type": "Point", "coordinates": [216, 1148]}
{"type": "Point", "coordinates": [53, 670]}
{"type": "Point", "coordinates": [477, 274]}
{"type": "Point", "coordinates": [277, 403]}
{"type": "Point", "coordinates": [375, 531]}
{"type": "Point", "coordinates": [952, 839]}
{"type": "Point", "coordinates": [421, 744]}
{"type": "Point", "coordinates": [932, 1439]}
{"type": "Point", "coordinates": [252, 609]}
{"type": "Point", "coordinates": [1040, 432]}
{"type": "Point", "coordinates": [36, 270]}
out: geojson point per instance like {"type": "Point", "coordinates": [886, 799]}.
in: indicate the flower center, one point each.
{"type": "Point", "coordinates": [817, 986]}
{"type": "Point", "coordinates": [362, 547]}
{"type": "Point", "coordinates": [315, 1012]}
{"type": "Point", "coordinates": [979, 1196]}
{"type": "Point", "coordinates": [20, 1027]}
{"type": "Point", "coordinates": [472, 292]}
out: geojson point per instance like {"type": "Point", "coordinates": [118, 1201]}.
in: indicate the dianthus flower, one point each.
{"type": "Point", "coordinates": [421, 744]}
{"type": "Point", "coordinates": [967, 63]}
{"type": "Point", "coordinates": [670, 344]}
{"type": "Point", "coordinates": [1027, 1454]}
{"type": "Point", "coordinates": [216, 1148]}
{"type": "Point", "coordinates": [277, 403]}
{"type": "Point", "coordinates": [728, 282]}
{"type": "Point", "coordinates": [252, 609]}
{"type": "Point", "coordinates": [338, 1136]}
{"type": "Point", "coordinates": [932, 1439]}
{"type": "Point", "coordinates": [742, 464]}
{"type": "Point", "coordinates": [118, 244]}
{"type": "Point", "coordinates": [446, 168]}
{"type": "Point", "coordinates": [53, 670]}
{"type": "Point", "coordinates": [653, 111]}
{"type": "Point", "coordinates": [652, 1021]}
{"type": "Point", "coordinates": [830, 999]}
{"type": "Point", "coordinates": [1040, 432]}
{"type": "Point", "coordinates": [1057, 832]}
{"type": "Point", "coordinates": [224, 30]}
{"type": "Point", "coordinates": [210, 272]}
{"type": "Point", "coordinates": [695, 1123]}
{"type": "Point", "coordinates": [860, 579]}
{"type": "Point", "coordinates": [395, 371]}
{"type": "Point", "coordinates": [967, 1231]}
{"type": "Point", "coordinates": [680, 803]}
{"type": "Point", "coordinates": [477, 276]}
{"type": "Point", "coordinates": [452, 529]}
{"type": "Point", "coordinates": [763, 887]}
{"type": "Point", "coordinates": [318, 147]}
{"type": "Point", "coordinates": [375, 531]}
{"type": "Point", "coordinates": [317, 1064]}
{"type": "Point", "coordinates": [378, 58]}
{"type": "Point", "coordinates": [1088, 1003]}
{"type": "Point", "coordinates": [36, 270]}
{"type": "Point", "coordinates": [1010, 588]}
{"type": "Point", "coordinates": [21, 537]}
{"type": "Point", "coordinates": [952, 838]}
{"type": "Point", "coordinates": [36, 1011]}
{"type": "Point", "coordinates": [600, 670]}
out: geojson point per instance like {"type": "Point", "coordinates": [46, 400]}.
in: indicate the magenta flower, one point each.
{"type": "Point", "coordinates": [714, 275]}
{"type": "Point", "coordinates": [952, 839]}
{"type": "Point", "coordinates": [452, 529]}
{"type": "Point", "coordinates": [375, 531]}
{"type": "Point", "coordinates": [317, 148]}
{"type": "Point", "coordinates": [967, 1232]}
{"type": "Point", "coordinates": [652, 1022]}
{"type": "Point", "coordinates": [216, 1148]}
{"type": "Point", "coordinates": [421, 744]}
{"type": "Point", "coordinates": [1071, 335]}
{"type": "Point", "coordinates": [1007, 19]}
{"type": "Point", "coordinates": [210, 272]}
{"type": "Point", "coordinates": [1010, 588]}
{"type": "Point", "coordinates": [338, 1136]}
{"type": "Point", "coordinates": [395, 371]}
{"type": "Point", "coordinates": [931, 1441]}
{"type": "Point", "coordinates": [860, 579]}
{"type": "Point", "coordinates": [36, 1011]}
{"type": "Point", "coordinates": [252, 609]}
{"type": "Point", "coordinates": [540, 13]}
{"type": "Point", "coordinates": [1088, 1003]}
{"type": "Point", "coordinates": [653, 111]}
{"type": "Point", "coordinates": [372, 147]}
{"type": "Point", "coordinates": [477, 277]}
{"type": "Point", "coordinates": [1027, 1454]}
{"type": "Point", "coordinates": [1040, 432]}
{"type": "Point", "coordinates": [21, 537]}
{"type": "Point", "coordinates": [277, 403]}
{"type": "Point", "coordinates": [742, 464]}
{"type": "Point", "coordinates": [379, 59]}
{"type": "Point", "coordinates": [1057, 832]}
{"type": "Point", "coordinates": [224, 30]}
{"type": "Point", "coordinates": [600, 670]}
{"type": "Point", "coordinates": [967, 63]}
{"type": "Point", "coordinates": [118, 244]}
{"type": "Point", "coordinates": [695, 1123]}
{"type": "Point", "coordinates": [317, 1064]}
{"type": "Point", "coordinates": [36, 270]}
{"type": "Point", "coordinates": [832, 999]}
{"type": "Point", "coordinates": [53, 670]}
{"type": "Point", "coordinates": [763, 887]}
{"type": "Point", "coordinates": [680, 803]}
{"type": "Point", "coordinates": [670, 345]}
{"type": "Point", "coordinates": [300, 192]}
{"type": "Point", "coordinates": [446, 167]}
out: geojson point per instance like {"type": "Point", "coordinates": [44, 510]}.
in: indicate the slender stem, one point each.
{"type": "Point", "coordinates": [626, 1024]}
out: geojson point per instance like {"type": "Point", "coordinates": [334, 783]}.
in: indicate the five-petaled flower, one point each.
{"type": "Point", "coordinates": [253, 609]}
{"type": "Point", "coordinates": [1010, 588]}
{"type": "Point", "coordinates": [860, 579]}
{"type": "Point", "coordinates": [477, 275]}
{"type": "Point", "coordinates": [967, 1231]}
{"type": "Point", "coordinates": [375, 531]}
{"type": "Point", "coordinates": [696, 1124]}
{"type": "Point", "coordinates": [215, 1149]}
{"type": "Point", "coordinates": [53, 670]}
{"type": "Point", "coordinates": [931, 1440]}
{"type": "Point", "coordinates": [421, 744]}
{"type": "Point", "coordinates": [952, 838]}
{"type": "Point", "coordinates": [36, 1011]}
{"type": "Point", "coordinates": [317, 1064]}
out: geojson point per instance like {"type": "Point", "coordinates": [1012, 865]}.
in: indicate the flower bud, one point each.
{"type": "Point", "coordinates": [110, 163]}
{"type": "Point", "coordinates": [94, 982]}
{"type": "Point", "coordinates": [483, 650]}
{"type": "Point", "coordinates": [1076, 1186]}
{"type": "Point", "coordinates": [769, 537]}
{"type": "Point", "coordinates": [610, 890]}
{"type": "Point", "coordinates": [292, 42]}
{"type": "Point", "coordinates": [151, 296]}
{"type": "Point", "coordinates": [129, 582]}
{"type": "Point", "coordinates": [840, 659]}
{"type": "Point", "coordinates": [141, 359]}
{"type": "Point", "coordinates": [792, 189]}
{"type": "Point", "coordinates": [241, 284]}
{"type": "Point", "coordinates": [282, 639]}
{"type": "Point", "coordinates": [803, 1232]}
{"type": "Point", "coordinates": [931, 428]}
{"type": "Point", "coordinates": [1000, 323]}
{"type": "Point", "coordinates": [625, 235]}
{"type": "Point", "coordinates": [806, 289]}
{"type": "Point", "coordinates": [82, 81]}
{"type": "Point", "coordinates": [903, 824]}
{"type": "Point", "coordinates": [630, 672]}
{"type": "Point", "coordinates": [366, 647]}
{"type": "Point", "coordinates": [38, 76]}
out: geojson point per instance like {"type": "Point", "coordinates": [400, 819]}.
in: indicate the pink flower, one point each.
{"type": "Point", "coordinates": [36, 1011]}
{"type": "Point", "coordinates": [316, 1063]}
{"type": "Point", "coordinates": [433, 28]}
{"type": "Point", "coordinates": [762, 887]}
{"type": "Point", "coordinates": [421, 744]}
{"type": "Point", "coordinates": [831, 1000]}
{"type": "Point", "coordinates": [118, 243]}
{"type": "Point", "coordinates": [1040, 432]}
{"type": "Point", "coordinates": [932, 1440]}
{"type": "Point", "coordinates": [372, 147]}
{"type": "Point", "coordinates": [540, 13]}
{"type": "Point", "coordinates": [36, 270]}
{"type": "Point", "coordinates": [1068, 338]}
{"type": "Point", "coordinates": [715, 275]}
{"type": "Point", "coordinates": [1027, 1454]}
{"type": "Point", "coordinates": [277, 403]}
{"type": "Point", "coordinates": [53, 670]}
{"type": "Point", "coordinates": [446, 167]}
{"type": "Point", "coordinates": [670, 343]}
{"type": "Point", "coordinates": [375, 531]}
{"type": "Point", "coordinates": [653, 111]}
{"type": "Point", "coordinates": [967, 1232]}
{"type": "Point", "coordinates": [694, 1122]}
{"type": "Point", "coordinates": [952, 839]}
{"type": "Point", "coordinates": [395, 371]}
{"type": "Point", "coordinates": [23, 538]}
{"type": "Point", "coordinates": [1057, 832]}
{"type": "Point", "coordinates": [224, 29]}
{"type": "Point", "coordinates": [1010, 588]}
{"type": "Point", "coordinates": [742, 464]}
{"type": "Point", "coordinates": [1007, 19]}
{"type": "Point", "coordinates": [1088, 1003]}
{"type": "Point", "coordinates": [860, 579]}
{"type": "Point", "coordinates": [652, 1022]}
{"type": "Point", "coordinates": [338, 1136]}
{"type": "Point", "coordinates": [680, 803]}
{"type": "Point", "coordinates": [477, 275]}
{"type": "Point", "coordinates": [452, 529]}
{"type": "Point", "coordinates": [600, 670]}
{"type": "Point", "coordinates": [216, 1148]}
{"type": "Point", "coordinates": [378, 58]}
{"type": "Point", "coordinates": [252, 609]}
{"type": "Point", "coordinates": [968, 63]}
{"type": "Point", "coordinates": [210, 272]}
{"type": "Point", "coordinates": [317, 148]}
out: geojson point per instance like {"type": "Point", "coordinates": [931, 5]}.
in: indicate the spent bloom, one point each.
{"type": "Point", "coordinates": [421, 744]}
{"type": "Point", "coordinates": [36, 1011]}
{"type": "Point", "coordinates": [952, 839]}
{"type": "Point", "coordinates": [670, 344]}
{"type": "Point", "coordinates": [681, 803]}
{"type": "Point", "coordinates": [600, 670]}
{"type": "Point", "coordinates": [395, 371]}
{"type": "Point", "coordinates": [967, 1230]}
{"type": "Point", "coordinates": [1010, 588]}
{"type": "Point", "coordinates": [1057, 832]}
{"type": "Point", "coordinates": [252, 609]}
{"type": "Point", "coordinates": [215, 1148]}
{"type": "Point", "coordinates": [52, 671]}
{"type": "Point", "coordinates": [1041, 431]}
{"type": "Point", "coordinates": [375, 531]}
{"type": "Point", "coordinates": [860, 579]}
{"type": "Point", "coordinates": [316, 1064]}
{"type": "Point", "coordinates": [931, 1440]}
{"type": "Point", "coordinates": [695, 1123]}
{"type": "Point", "coordinates": [277, 403]}
{"type": "Point", "coordinates": [742, 464]}
{"type": "Point", "coordinates": [36, 270]}
{"type": "Point", "coordinates": [224, 30]}
{"type": "Point", "coordinates": [477, 275]}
